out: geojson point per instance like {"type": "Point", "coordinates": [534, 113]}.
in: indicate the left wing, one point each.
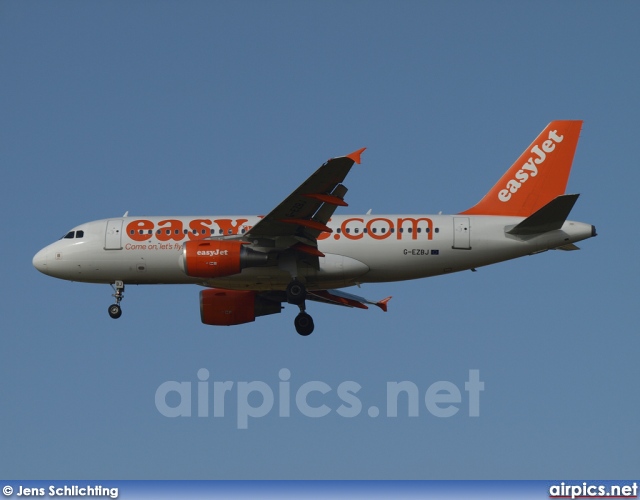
{"type": "Point", "coordinates": [340, 298]}
{"type": "Point", "coordinates": [333, 297]}
{"type": "Point", "coordinates": [304, 214]}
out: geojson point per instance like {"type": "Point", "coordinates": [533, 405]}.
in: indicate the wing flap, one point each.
{"type": "Point", "coordinates": [328, 198]}
{"type": "Point", "coordinates": [569, 247]}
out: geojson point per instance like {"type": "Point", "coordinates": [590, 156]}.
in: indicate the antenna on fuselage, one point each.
{"type": "Point", "coordinates": [126, 213]}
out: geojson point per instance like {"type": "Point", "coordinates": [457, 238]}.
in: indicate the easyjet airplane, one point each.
{"type": "Point", "coordinates": [300, 251]}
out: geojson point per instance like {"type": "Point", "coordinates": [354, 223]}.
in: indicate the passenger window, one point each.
{"type": "Point", "coordinates": [375, 230]}
{"type": "Point", "coordinates": [437, 230]}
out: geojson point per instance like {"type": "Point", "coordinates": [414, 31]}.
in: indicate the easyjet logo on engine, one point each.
{"type": "Point", "coordinates": [530, 168]}
{"type": "Point", "coordinates": [212, 253]}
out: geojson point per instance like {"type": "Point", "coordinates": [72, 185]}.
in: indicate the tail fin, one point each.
{"type": "Point", "coordinates": [537, 177]}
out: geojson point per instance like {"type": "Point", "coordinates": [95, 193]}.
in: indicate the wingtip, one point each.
{"type": "Point", "coordinates": [382, 304]}
{"type": "Point", "coordinates": [355, 156]}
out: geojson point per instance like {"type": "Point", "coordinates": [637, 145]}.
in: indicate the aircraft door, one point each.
{"type": "Point", "coordinates": [113, 235]}
{"type": "Point", "coordinates": [461, 233]}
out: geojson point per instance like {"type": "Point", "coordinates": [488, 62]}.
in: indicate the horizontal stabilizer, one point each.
{"type": "Point", "coordinates": [550, 217]}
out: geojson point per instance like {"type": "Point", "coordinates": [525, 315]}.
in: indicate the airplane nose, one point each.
{"type": "Point", "coordinates": [40, 261]}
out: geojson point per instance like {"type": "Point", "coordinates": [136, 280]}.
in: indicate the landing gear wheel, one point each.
{"type": "Point", "coordinates": [303, 324]}
{"type": "Point", "coordinates": [296, 292]}
{"type": "Point", "coordinates": [115, 311]}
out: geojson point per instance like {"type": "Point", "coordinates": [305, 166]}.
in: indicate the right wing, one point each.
{"type": "Point", "coordinates": [306, 211]}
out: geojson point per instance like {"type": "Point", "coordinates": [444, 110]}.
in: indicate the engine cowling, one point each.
{"type": "Point", "coordinates": [218, 258]}
{"type": "Point", "coordinates": [234, 307]}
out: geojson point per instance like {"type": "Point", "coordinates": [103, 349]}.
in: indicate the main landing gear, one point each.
{"type": "Point", "coordinates": [115, 311]}
{"type": "Point", "coordinates": [296, 294]}
{"type": "Point", "coordinates": [303, 323]}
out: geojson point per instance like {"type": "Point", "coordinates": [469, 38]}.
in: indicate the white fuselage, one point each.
{"type": "Point", "coordinates": [361, 249]}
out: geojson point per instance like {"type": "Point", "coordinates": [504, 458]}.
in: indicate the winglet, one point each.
{"type": "Point", "coordinates": [382, 304]}
{"type": "Point", "coordinates": [355, 156]}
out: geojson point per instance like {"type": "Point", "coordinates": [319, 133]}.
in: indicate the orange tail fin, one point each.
{"type": "Point", "coordinates": [537, 177]}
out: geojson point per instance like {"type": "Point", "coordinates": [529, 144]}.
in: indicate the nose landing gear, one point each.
{"type": "Point", "coordinates": [296, 294]}
{"type": "Point", "coordinates": [115, 311]}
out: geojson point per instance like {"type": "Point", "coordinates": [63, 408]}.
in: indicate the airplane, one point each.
{"type": "Point", "coordinates": [302, 251]}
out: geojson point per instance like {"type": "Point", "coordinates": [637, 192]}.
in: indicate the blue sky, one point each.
{"type": "Point", "coordinates": [190, 108]}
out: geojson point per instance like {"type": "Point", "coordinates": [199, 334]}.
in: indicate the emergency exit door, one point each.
{"type": "Point", "coordinates": [461, 233]}
{"type": "Point", "coordinates": [113, 235]}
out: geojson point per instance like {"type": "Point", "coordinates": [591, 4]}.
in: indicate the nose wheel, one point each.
{"type": "Point", "coordinates": [115, 311]}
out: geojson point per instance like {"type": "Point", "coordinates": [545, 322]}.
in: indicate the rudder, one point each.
{"type": "Point", "coordinates": [538, 176]}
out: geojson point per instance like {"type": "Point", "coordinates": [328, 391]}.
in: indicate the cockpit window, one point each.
{"type": "Point", "coordinates": [73, 234]}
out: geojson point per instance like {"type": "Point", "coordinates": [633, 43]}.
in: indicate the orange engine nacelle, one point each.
{"type": "Point", "coordinates": [218, 258]}
{"type": "Point", "coordinates": [234, 307]}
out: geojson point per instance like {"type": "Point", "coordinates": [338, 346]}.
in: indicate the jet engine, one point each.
{"type": "Point", "coordinates": [234, 307]}
{"type": "Point", "coordinates": [218, 258]}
